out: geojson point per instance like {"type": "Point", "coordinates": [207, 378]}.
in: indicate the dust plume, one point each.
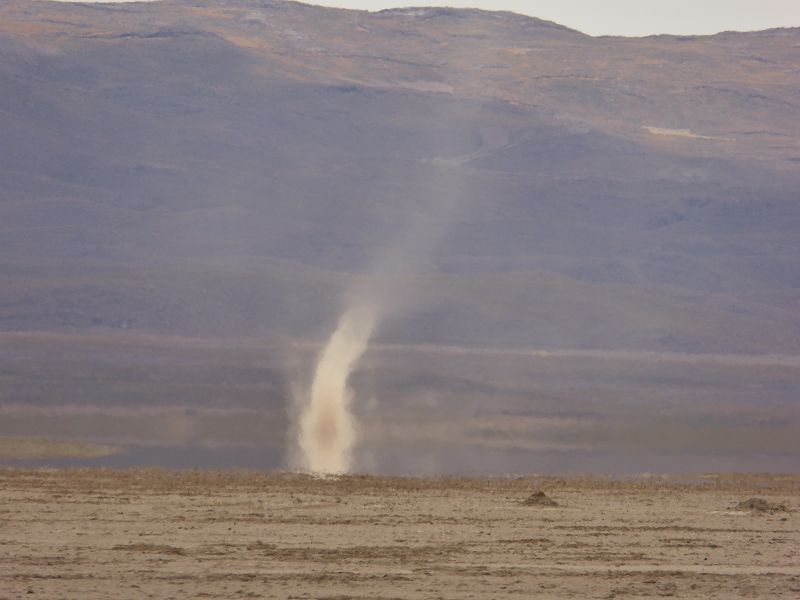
{"type": "Point", "coordinates": [327, 433]}
{"type": "Point", "coordinates": [327, 430]}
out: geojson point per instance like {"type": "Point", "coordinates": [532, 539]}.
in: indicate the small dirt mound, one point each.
{"type": "Point", "coordinates": [760, 505]}
{"type": "Point", "coordinates": [539, 499]}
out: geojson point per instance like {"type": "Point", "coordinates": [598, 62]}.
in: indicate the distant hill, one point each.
{"type": "Point", "coordinates": [208, 168]}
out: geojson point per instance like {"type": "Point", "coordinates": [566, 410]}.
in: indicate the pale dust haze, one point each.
{"type": "Point", "coordinates": [327, 428]}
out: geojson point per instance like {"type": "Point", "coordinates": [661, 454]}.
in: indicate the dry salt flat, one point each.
{"type": "Point", "coordinates": [147, 533]}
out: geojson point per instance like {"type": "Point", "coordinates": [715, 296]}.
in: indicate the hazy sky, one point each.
{"type": "Point", "coordinates": [631, 17]}
{"type": "Point", "coordinates": [626, 17]}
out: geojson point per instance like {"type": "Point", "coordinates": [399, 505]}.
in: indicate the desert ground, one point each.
{"type": "Point", "coordinates": [147, 533]}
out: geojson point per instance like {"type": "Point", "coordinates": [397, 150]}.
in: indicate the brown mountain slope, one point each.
{"type": "Point", "coordinates": [208, 168]}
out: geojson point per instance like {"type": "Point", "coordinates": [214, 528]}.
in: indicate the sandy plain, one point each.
{"type": "Point", "coordinates": [146, 533]}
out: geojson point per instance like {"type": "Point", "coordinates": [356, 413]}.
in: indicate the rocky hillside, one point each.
{"type": "Point", "coordinates": [226, 168]}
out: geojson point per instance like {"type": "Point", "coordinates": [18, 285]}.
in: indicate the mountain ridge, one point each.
{"type": "Point", "coordinates": [645, 176]}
